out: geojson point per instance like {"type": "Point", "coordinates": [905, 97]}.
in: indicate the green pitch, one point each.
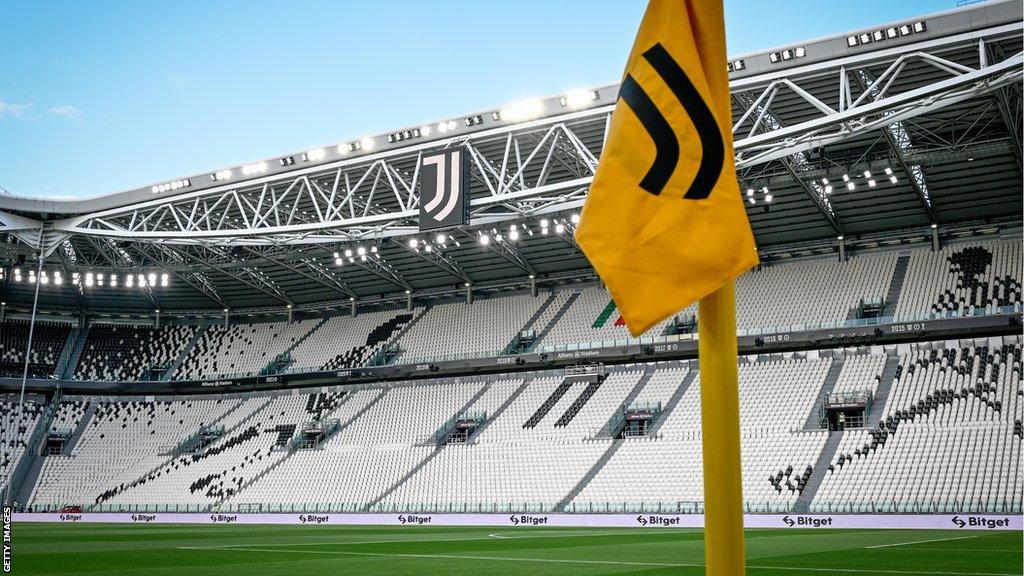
{"type": "Point", "coordinates": [377, 551]}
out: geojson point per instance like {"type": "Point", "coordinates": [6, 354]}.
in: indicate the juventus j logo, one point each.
{"type": "Point", "coordinates": [443, 184]}
{"type": "Point", "coordinates": [665, 140]}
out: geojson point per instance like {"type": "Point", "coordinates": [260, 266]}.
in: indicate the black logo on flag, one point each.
{"type": "Point", "coordinates": [444, 189]}
{"type": "Point", "coordinates": [665, 140]}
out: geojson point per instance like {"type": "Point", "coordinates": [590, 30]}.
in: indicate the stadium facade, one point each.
{"type": "Point", "coordinates": [287, 337]}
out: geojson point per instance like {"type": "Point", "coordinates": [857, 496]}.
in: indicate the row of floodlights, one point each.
{"type": "Point", "coordinates": [850, 184]}
{"type": "Point", "coordinates": [89, 279]}
{"type": "Point", "coordinates": [787, 54]}
{"type": "Point", "coordinates": [360, 252]}
{"type": "Point", "coordinates": [775, 57]}
{"type": "Point", "coordinates": [826, 185]}
{"type": "Point", "coordinates": [442, 241]}
{"type": "Point", "coordinates": [168, 186]}
{"type": "Point", "coordinates": [886, 33]}
{"type": "Point", "coordinates": [517, 112]}
{"type": "Point", "coordinates": [736, 65]}
{"type": "Point", "coordinates": [856, 40]}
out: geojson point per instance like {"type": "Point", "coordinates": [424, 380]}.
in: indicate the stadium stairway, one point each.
{"type": "Point", "coordinates": [307, 334]}
{"type": "Point", "coordinates": [31, 459]}
{"type": "Point", "coordinates": [184, 353]}
{"type": "Point", "coordinates": [548, 404]}
{"type": "Point", "coordinates": [529, 322]}
{"type": "Point", "coordinates": [896, 285]}
{"type": "Point", "coordinates": [83, 424]}
{"type": "Point", "coordinates": [504, 406]}
{"type": "Point", "coordinates": [173, 451]}
{"type": "Point", "coordinates": [397, 338]}
{"type": "Point", "coordinates": [419, 466]}
{"type": "Point", "coordinates": [579, 403]}
{"type": "Point", "coordinates": [814, 418]}
{"type": "Point", "coordinates": [241, 489]}
{"type": "Point", "coordinates": [881, 398]}
{"type": "Point", "coordinates": [28, 484]}
{"type": "Point", "coordinates": [673, 400]}
{"type": "Point", "coordinates": [818, 472]}
{"type": "Point", "coordinates": [361, 411]}
{"type": "Point", "coordinates": [227, 412]}
{"type": "Point", "coordinates": [594, 470]}
{"type": "Point", "coordinates": [555, 319]}
{"type": "Point", "coordinates": [649, 370]}
{"type": "Point", "coordinates": [72, 352]}
{"type": "Point", "coordinates": [240, 425]}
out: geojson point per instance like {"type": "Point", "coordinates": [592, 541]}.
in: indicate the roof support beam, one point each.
{"type": "Point", "coordinates": [820, 202]}
{"type": "Point", "coordinates": [898, 139]}
{"type": "Point", "coordinates": [439, 259]}
{"type": "Point", "coordinates": [247, 277]}
{"type": "Point", "coordinates": [320, 276]}
{"type": "Point", "coordinates": [198, 281]}
{"type": "Point", "coordinates": [769, 122]}
{"type": "Point", "coordinates": [502, 248]}
{"type": "Point", "coordinates": [1008, 100]}
{"type": "Point", "coordinates": [376, 265]}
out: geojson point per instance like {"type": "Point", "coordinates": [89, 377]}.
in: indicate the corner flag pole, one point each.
{"type": "Point", "coordinates": [724, 552]}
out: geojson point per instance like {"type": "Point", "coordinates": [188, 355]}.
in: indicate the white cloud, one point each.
{"type": "Point", "coordinates": [10, 109]}
{"type": "Point", "coordinates": [66, 111]}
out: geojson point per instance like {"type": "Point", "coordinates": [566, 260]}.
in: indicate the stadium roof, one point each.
{"type": "Point", "coordinates": [903, 127]}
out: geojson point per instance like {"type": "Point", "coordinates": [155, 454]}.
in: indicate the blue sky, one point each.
{"type": "Point", "coordinates": [103, 96]}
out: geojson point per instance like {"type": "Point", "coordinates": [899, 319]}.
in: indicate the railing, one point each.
{"type": "Point", "coordinates": [576, 507]}
{"type": "Point", "coordinates": [783, 328]}
{"type": "Point", "coordinates": [915, 507]}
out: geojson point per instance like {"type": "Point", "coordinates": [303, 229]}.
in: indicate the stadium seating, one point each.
{"type": "Point", "coordinates": [124, 352]}
{"type": "Point", "coordinates": [344, 342]}
{"type": "Point", "coordinates": [18, 422]}
{"type": "Point", "coordinates": [240, 348]}
{"type": "Point", "coordinates": [962, 278]}
{"type": "Point", "coordinates": [861, 372]}
{"type": "Point", "coordinates": [943, 431]}
{"type": "Point", "coordinates": [828, 292]}
{"type": "Point", "coordinates": [592, 317]}
{"type": "Point", "coordinates": [811, 291]}
{"type": "Point", "coordinates": [948, 439]}
{"type": "Point", "coordinates": [485, 327]}
{"type": "Point", "coordinates": [48, 340]}
{"type": "Point", "coordinates": [952, 413]}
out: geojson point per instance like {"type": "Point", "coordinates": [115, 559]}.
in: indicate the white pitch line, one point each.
{"type": "Point", "coordinates": [603, 562]}
{"type": "Point", "coordinates": [414, 540]}
{"type": "Point", "coordinates": [921, 542]}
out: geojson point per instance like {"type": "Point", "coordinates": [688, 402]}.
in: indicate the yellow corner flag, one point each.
{"type": "Point", "coordinates": [664, 224]}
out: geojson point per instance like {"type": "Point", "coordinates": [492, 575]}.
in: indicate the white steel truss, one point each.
{"type": "Point", "coordinates": [542, 166]}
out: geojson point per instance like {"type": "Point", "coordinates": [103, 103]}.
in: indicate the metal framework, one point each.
{"type": "Point", "coordinates": [920, 107]}
{"type": "Point", "coordinates": [546, 165]}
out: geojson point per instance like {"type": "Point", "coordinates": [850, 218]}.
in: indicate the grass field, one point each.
{"type": "Point", "coordinates": [275, 550]}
